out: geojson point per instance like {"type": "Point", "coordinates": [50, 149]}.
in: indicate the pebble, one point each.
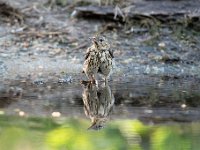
{"type": "Point", "coordinates": [67, 79]}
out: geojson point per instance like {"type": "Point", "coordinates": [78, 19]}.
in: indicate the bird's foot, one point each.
{"type": "Point", "coordinates": [93, 81]}
{"type": "Point", "coordinates": [84, 82]}
{"type": "Point", "coordinates": [88, 82]}
{"type": "Point", "coordinates": [106, 81]}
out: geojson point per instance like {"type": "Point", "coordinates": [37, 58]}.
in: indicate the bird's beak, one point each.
{"type": "Point", "coordinates": [94, 40]}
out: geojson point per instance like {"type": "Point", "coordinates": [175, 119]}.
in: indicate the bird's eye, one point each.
{"type": "Point", "coordinates": [101, 40]}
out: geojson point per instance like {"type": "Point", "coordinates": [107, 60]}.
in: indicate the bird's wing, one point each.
{"type": "Point", "coordinates": [111, 53]}
{"type": "Point", "coordinates": [87, 53]}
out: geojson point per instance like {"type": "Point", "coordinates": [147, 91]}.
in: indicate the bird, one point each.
{"type": "Point", "coordinates": [105, 56]}
{"type": "Point", "coordinates": [98, 59]}
{"type": "Point", "coordinates": [98, 104]}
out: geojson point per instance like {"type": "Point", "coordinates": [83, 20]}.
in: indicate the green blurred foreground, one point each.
{"type": "Point", "coordinates": [17, 133]}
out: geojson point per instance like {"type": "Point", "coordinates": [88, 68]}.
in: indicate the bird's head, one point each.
{"type": "Point", "coordinates": [98, 123]}
{"type": "Point", "coordinates": [100, 42]}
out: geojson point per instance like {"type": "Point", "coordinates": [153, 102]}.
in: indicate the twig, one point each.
{"type": "Point", "coordinates": [40, 34]}
{"type": "Point", "coordinates": [84, 45]}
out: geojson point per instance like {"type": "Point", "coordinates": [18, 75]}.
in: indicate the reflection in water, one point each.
{"type": "Point", "coordinates": [98, 103]}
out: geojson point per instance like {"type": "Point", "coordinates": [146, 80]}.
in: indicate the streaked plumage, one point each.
{"type": "Point", "coordinates": [98, 59]}
{"type": "Point", "coordinates": [105, 67]}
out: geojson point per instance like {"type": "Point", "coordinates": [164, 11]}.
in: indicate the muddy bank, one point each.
{"type": "Point", "coordinates": [50, 40]}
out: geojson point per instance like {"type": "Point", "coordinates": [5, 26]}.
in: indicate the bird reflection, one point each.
{"type": "Point", "coordinates": [98, 104]}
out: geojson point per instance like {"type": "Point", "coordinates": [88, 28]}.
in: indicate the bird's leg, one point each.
{"type": "Point", "coordinates": [105, 80]}
{"type": "Point", "coordinates": [93, 81]}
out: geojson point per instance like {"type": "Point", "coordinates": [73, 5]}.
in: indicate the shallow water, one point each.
{"type": "Point", "coordinates": [147, 113]}
{"type": "Point", "coordinates": [177, 97]}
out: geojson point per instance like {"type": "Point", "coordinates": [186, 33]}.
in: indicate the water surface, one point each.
{"type": "Point", "coordinates": [147, 113]}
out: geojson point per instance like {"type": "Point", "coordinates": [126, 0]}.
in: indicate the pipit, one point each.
{"type": "Point", "coordinates": [98, 59]}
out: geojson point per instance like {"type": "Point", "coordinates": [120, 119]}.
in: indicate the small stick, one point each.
{"type": "Point", "coordinates": [40, 33]}
{"type": "Point", "coordinates": [80, 46]}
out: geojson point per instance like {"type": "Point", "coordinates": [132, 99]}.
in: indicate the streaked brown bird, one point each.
{"type": "Point", "coordinates": [98, 59]}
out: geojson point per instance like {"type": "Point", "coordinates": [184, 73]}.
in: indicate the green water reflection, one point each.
{"type": "Point", "coordinates": [18, 133]}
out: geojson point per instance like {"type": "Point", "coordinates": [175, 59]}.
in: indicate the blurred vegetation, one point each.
{"type": "Point", "coordinates": [63, 134]}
